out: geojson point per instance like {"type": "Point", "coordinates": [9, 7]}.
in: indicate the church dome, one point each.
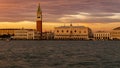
{"type": "Point", "coordinates": [118, 28]}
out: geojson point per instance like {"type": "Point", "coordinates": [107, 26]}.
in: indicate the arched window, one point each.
{"type": "Point", "coordinates": [70, 31]}
{"type": "Point", "coordinates": [75, 31]}
{"type": "Point", "coordinates": [67, 31]}
{"type": "Point", "coordinates": [58, 31]}
{"type": "Point", "coordinates": [62, 31]}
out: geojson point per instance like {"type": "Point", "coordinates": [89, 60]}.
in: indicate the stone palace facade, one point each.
{"type": "Point", "coordinates": [72, 33]}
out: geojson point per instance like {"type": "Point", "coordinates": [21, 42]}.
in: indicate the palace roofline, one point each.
{"type": "Point", "coordinates": [71, 26]}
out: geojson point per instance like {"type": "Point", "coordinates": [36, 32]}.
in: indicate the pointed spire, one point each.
{"type": "Point", "coordinates": [39, 12]}
{"type": "Point", "coordinates": [39, 9]}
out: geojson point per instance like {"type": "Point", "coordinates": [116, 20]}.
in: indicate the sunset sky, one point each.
{"type": "Point", "coordinates": [96, 14]}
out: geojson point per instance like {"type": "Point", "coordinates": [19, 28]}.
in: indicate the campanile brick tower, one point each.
{"type": "Point", "coordinates": [39, 20]}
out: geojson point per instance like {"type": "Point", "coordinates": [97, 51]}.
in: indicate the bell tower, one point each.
{"type": "Point", "coordinates": [39, 20]}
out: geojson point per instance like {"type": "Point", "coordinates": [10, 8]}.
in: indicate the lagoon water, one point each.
{"type": "Point", "coordinates": [59, 54]}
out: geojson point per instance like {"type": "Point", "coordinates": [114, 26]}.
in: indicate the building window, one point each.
{"type": "Point", "coordinates": [84, 31]}
{"type": "Point", "coordinates": [70, 31]}
{"type": "Point", "coordinates": [67, 31]}
{"type": "Point", "coordinates": [75, 31]}
{"type": "Point", "coordinates": [62, 31]}
{"type": "Point", "coordinates": [79, 31]}
{"type": "Point", "coordinates": [57, 30]}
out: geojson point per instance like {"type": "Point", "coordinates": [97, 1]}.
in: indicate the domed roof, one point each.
{"type": "Point", "coordinates": [118, 28]}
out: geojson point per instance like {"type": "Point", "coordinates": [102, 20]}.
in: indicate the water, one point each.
{"type": "Point", "coordinates": [59, 54]}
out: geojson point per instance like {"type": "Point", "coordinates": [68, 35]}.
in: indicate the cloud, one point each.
{"type": "Point", "coordinates": [91, 18]}
{"type": "Point", "coordinates": [54, 10]}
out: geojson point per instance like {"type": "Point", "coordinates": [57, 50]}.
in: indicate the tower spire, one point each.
{"type": "Point", "coordinates": [39, 20]}
{"type": "Point", "coordinates": [39, 8]}
{"type": "Point", "coordinates": [39, 12]}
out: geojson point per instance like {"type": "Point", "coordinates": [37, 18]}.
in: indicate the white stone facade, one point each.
{"type": "Point", "coordinates": [102, 35]}
{"type": "Point", "coordinates": [115, 34]}
{"type": "Point", "coordinates": [26, 34]}
{"type": "Point", "coordinates": [73, 32]}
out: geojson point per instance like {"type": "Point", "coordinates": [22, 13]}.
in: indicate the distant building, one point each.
{"type": "Point", "coordinates": [7, 31]}
{"type": "Point", "coordinates": [73, 32]}
{"type": "Point", "coordinates": [47, 35]}
{"type": "Point", "coordinates": [26, 34]}
{"type": "Point", "coordinates": [102, 35]}
{"type": "Point", "coordinates": [115, 33]}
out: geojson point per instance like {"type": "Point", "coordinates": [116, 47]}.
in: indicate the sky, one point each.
{"type": "Point", "coordinates": [96, 14]}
